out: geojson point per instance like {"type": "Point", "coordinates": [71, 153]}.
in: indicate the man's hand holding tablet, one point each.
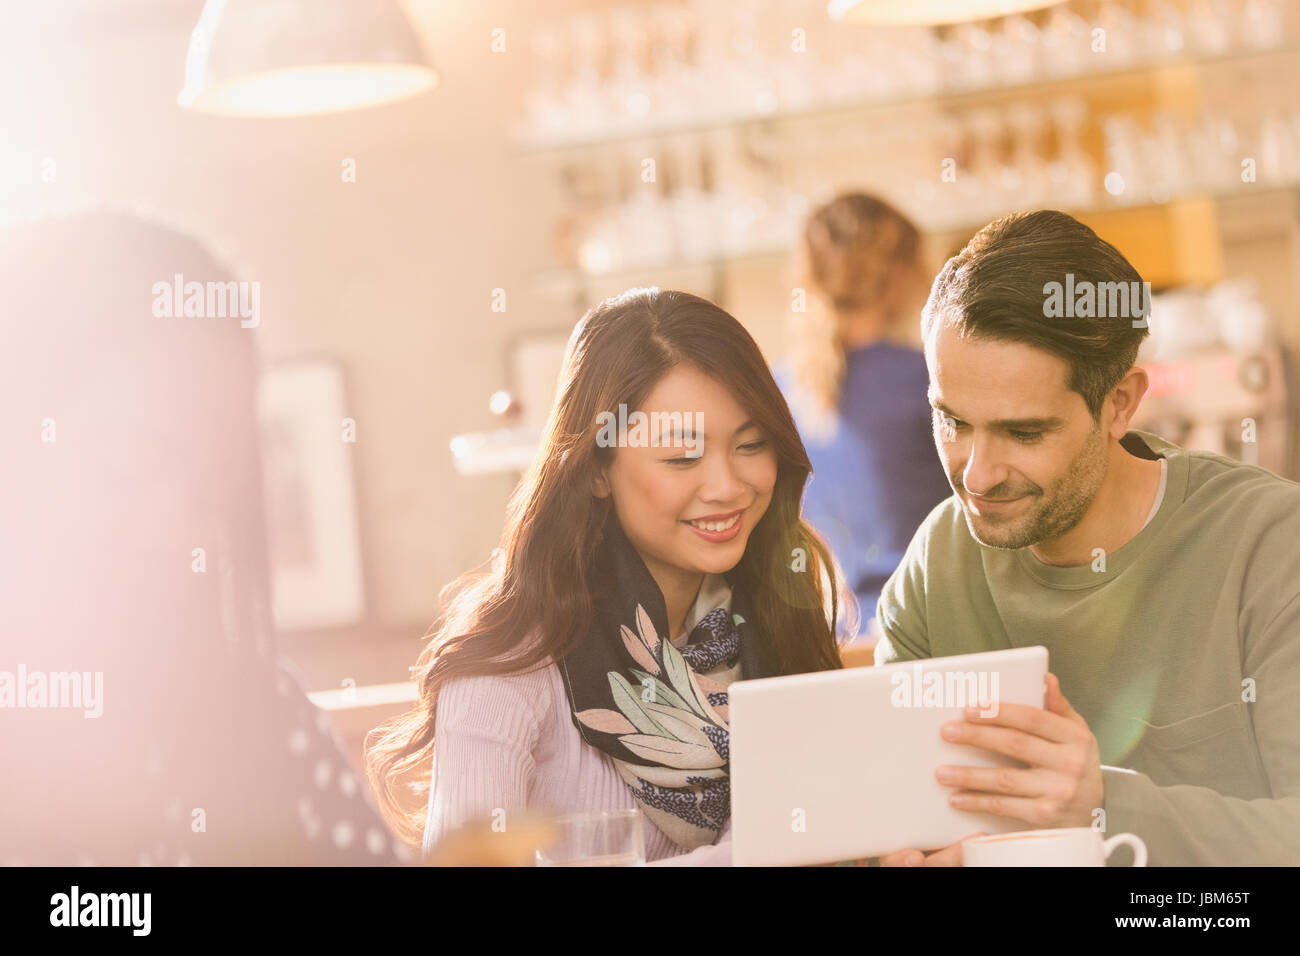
{"type": "Point", "coordinates": [841, 764]}
{"type": "Point", "coordinates": [1061, 787]}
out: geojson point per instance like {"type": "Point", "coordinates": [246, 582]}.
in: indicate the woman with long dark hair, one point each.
{"type": "Point", "coordinates": [653, 553]}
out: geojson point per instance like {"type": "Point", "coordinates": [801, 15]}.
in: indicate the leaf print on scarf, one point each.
{"type": "Point", "coordinates": [646, 628]}
{"type": "Point", "coordinates": [712, 689]}
{"type": "Point", "coordinates": [606, 721]}
{"type": "Point", "coordinates": [628, 703]}
{"type": "Point", "coordinates": [660, 693]}
{"type": "Point", "coordinates": [670, 751]}
{"type": "Point", "coordinates": [674, 729]}
{"type": "Point", "coordinates": [656, 710]}
{"type": "Point", "coordinates": [639, 649]}
{"type": "Point", "coordinates": [682, 681]}
{"type": "Point", "coordinates": [682, 724]}
{"type": "Point", "coordinates": [670, 777]}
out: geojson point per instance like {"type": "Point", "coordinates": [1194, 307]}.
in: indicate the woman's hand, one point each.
{"type": "Point", "coordinates": [948, 856]}
{"type": "Point", "coordinates": [865, 861]}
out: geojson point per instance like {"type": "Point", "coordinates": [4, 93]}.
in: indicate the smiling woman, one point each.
{"type": "Point", "coordinates": [588, 669]}
{"type": "Point", "coordinates": [680, 511]}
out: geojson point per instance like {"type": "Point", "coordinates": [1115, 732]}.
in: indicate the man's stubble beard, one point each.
{"type": "Point", "coordinates": [1055, 512]}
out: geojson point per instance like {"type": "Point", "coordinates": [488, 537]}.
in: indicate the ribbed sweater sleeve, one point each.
{"type": "Point", "coordinates": [486, 732]}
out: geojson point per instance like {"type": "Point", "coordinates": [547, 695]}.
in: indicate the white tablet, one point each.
{"type": "Point", "coordinates": [839, 765]}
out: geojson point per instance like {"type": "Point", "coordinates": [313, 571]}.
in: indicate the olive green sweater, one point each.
{"type": "Point", "coordinates": [1183, 653]}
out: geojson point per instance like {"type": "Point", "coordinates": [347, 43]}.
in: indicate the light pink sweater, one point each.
{"type": "Point", "coordinates": [509, 743]}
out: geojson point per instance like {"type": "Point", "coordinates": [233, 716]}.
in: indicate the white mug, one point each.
{"type": "Point", "coordinates": [1066, 846]}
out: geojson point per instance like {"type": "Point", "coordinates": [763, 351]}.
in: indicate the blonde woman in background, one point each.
{"type": "Point", "coordinates": [858, 391]}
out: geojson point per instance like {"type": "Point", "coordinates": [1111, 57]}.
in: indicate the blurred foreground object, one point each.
{"type": "Point", "coordinates": [479, 844]}
{"type": "Point", "coordinates": [151, 721]}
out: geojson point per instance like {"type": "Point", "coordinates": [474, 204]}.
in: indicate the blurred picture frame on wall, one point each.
{"type": "Point", "coordinates": [308, 437]}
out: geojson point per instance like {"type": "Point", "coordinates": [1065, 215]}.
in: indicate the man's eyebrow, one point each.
{"type": "Point", "coordinates": [1028, 424]}
{"type": "Point", "coordinates": [939, 406]}
{"type": "Point", "coordinates": [1041, 424]}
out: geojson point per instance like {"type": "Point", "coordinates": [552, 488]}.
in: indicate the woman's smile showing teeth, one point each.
{"type": "Point", "coordinates": [721, 527]}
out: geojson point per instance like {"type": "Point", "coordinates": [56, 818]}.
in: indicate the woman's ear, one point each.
{"type": "Point", "coordinates": [600, 484]}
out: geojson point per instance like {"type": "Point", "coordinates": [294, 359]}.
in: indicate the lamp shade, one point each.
{"type": "Point", "coordinates": [301, 57]}
{"type": "Point", "coordinates": [904, 12]}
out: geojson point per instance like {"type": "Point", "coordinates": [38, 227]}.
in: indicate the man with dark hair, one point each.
{"type": "Point", "coordinates": [1164, 583]}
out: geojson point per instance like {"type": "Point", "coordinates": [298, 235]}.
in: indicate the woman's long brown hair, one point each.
{"type": "Point", "coordinates": [543, 578]}
{"type": "Point", "coordinates": [857, 251]}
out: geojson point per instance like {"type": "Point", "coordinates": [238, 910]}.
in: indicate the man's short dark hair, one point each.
{"type": "Point", "coordinates": [998, 286]}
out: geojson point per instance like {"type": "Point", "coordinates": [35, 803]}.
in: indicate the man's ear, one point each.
{"type": "Point", "coordinates": [1125, 399]}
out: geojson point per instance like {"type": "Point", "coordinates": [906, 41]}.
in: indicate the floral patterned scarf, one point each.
{"type": "Point", "coordinates": [660, 712]}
